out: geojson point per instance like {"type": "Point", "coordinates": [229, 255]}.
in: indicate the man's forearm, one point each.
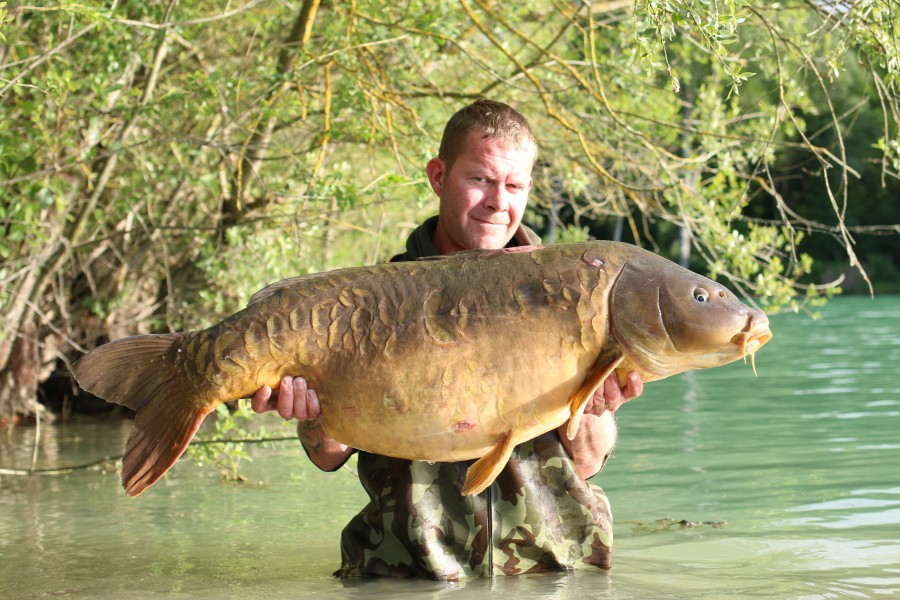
{"type": "Point", "coordinates": [593, 443]}
{"type": "Point", "coordinates": [324, 451]}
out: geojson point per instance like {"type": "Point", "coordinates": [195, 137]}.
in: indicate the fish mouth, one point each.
{"type": "Point", "coordinates": [752, 337]}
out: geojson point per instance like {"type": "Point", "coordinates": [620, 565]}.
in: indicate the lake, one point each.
{"type": "Point", "coordinates": [791, 481]}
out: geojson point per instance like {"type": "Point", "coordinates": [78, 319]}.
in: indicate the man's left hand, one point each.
{"type": "Point", "coordinates": [610, 396]}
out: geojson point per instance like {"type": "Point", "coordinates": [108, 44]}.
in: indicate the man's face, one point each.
{"type": "Point", "coordinates": [483, 195]}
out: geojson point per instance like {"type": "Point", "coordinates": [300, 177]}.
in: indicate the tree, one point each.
{"type": "Point", "coordinates": [162, 161]}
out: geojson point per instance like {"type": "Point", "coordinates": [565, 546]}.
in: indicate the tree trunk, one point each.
{"type": "Point", "coordinates": [254, 148]}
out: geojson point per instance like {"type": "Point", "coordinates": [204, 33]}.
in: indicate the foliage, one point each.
{"type": "Point", "coordinates": [162, 161]}
{"type": "Point", "coordinates": [229, 434]}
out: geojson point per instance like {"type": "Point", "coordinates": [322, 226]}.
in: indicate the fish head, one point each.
{"type": "Point", "coordinates": [669, 319]}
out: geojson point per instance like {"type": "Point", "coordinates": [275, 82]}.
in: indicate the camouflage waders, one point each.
{"type": "Point", "coordinates": [538, 515]}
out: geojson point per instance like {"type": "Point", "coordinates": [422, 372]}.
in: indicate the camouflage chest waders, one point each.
{"type": "Point", "coordinates": [538, 515]}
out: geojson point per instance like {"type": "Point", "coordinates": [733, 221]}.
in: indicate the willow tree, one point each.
{"type": "Point", "coordinates": [161, 161]}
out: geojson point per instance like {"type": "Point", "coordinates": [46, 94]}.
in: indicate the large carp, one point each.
{"type": "Point", "coordinates": [452, 358]}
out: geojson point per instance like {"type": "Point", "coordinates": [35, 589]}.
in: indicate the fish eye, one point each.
{"type": "Point", "coordinates": [701, 295]}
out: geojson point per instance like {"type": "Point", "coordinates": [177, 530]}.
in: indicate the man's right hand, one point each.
{"type": "Point", "coordinates": [293, 400]}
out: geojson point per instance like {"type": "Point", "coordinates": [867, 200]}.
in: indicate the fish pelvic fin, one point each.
{"type": "Point", "coordinates": [484, 471]}
{"type": "Point", "coordinates": [140, 372]}
{"type": "Point", "coordinates": [603, 368]}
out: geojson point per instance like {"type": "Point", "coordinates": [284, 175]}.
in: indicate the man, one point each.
{"type": "Point", "coordinates": [540, 513]}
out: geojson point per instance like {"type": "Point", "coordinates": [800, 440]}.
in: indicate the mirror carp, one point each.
{"type": "Point", "coordinates": [452, 358]}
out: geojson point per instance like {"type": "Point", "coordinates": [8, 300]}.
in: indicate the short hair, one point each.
{"type": "Point", "coordinates": [495, 120]}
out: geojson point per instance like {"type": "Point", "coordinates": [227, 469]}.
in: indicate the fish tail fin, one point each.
{"type": "Point", "coordinates": [161, 433]}
{"type": "Point", "coordinates": [140, 372]}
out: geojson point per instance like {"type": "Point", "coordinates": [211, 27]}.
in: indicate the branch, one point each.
{"type": "Point", "coordinates": [43, 58]}
{"type": "Point", "coordinates": [254, 147]}
{"type": "Point", "coordinates": [839, 211]}
{"type": "Point", "coordinates": [113, 458]}
{"type": "Point", "coordinates": [154, 26]}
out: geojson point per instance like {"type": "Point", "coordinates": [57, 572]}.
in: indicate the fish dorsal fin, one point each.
{"type": "Point", "coordinates": [453, 255]}
{"type": "Point", "coordinates": [333, 277]}
{"type": "Point", "coordinates": [477, 252]}
{"type": "Point", "coordinates": [273, 288]}
{"type": "Point", "coordinates": [603, 368]}
{"type": "Point", "coordinates": [484, 471]}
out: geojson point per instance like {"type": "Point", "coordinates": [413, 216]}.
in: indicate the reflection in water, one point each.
{"type": "Point", "coordinates": [798, 463]}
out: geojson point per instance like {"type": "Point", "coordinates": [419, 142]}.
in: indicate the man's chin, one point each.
{"type": "Point", "coordinates": [490, 242]}
{"type": "Point", "coordinates": [490, 237]}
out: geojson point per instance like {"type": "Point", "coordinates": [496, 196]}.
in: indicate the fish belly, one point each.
{"type": "Point", "coordinates": [452, 404]}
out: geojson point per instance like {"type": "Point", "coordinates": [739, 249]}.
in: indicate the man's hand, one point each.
{"type": "Point", "coordinates": [294, 400]}
{"type": "Point", "coordinates": [597, 433]}
{"type": "Point", "coordinates": [610, 396]}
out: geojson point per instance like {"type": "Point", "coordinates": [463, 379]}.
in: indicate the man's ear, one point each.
{"type": "Point", "coordinates": [435, 171]}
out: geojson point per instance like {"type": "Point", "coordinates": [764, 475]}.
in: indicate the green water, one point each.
{"type": "Point", "coordinates": [801, 465]}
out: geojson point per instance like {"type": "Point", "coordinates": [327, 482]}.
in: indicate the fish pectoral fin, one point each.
{"type": "Point", "coordinates": [579, 400]}
{"type": "Point", "coordinates": [484, 471]}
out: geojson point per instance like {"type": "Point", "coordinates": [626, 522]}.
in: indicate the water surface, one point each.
{"type": "Point", "coordinates": [795, 473]}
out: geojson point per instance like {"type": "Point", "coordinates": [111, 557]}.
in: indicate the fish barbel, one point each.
{"type": "Point", "coordinates": [453, 358]}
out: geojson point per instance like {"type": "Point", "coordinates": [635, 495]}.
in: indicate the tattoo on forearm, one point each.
{"type": "Point", "coordinates": [310, 425]}
{"type": "Point", "coordinates": [310, 433]}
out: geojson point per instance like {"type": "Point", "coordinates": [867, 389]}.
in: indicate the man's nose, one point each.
{"type": "Point", "coordinates": [496, 198]}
